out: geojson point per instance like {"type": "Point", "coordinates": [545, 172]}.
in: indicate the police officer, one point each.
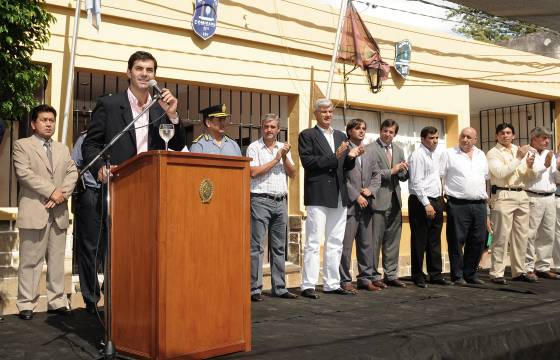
{"type": "Point", "coordinates": [215, 141]}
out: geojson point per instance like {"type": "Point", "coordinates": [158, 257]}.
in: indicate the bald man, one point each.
{"type": "Point", "coordinates": [465, 170]}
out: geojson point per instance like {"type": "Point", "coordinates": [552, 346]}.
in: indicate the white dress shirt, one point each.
{"type": "Point", "coordinates": [329, 135]}
{"type": "Point", "coordinates": [464, 177]}
{"type": "Point", "coordinates": [424, 180]}
{"type": "Point", "coordinates": [545, 180]}
{"type": "Point", "coordinates": [273, 182]}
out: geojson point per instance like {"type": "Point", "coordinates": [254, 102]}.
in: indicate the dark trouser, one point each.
{"type": "Point", "coordinates": [466, 227]}
{"type": "Point", "coordinates": [272, 215]}
{"type": "Point", "coordinates": [359, 227]}
{"type": "Point", "coordinates": [425, 238]}
{"type": "Point", "coordinates": [91, 245]}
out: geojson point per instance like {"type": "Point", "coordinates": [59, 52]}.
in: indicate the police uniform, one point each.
{"type": "Point", "coordinates": [205, 143]}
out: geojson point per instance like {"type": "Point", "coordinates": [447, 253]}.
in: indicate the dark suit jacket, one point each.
{"type": "Point", "coordinates": [365, 176]}
{"type": "Point", "coordinates": [111, 115]}
{"type": "Point", "coordinates": [389, 183]}
{"type": "Point", "coordinates": [324, 173]}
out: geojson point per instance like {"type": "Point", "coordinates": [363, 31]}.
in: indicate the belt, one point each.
{"type": "Point", "coordinates": [465, 201]}
{"type": "Point", "coordinates": [279, 197]}
{"type": "Point", "coordinates": [94, 189]}
{"type": "Point", "coordinates": [434, 198]}
{"type": "Point", "coordinates": [539, 193]}
{"type": "Point", "coordinates": [508, 189]}
{"type": "Point", "coordinates": [557, 195]}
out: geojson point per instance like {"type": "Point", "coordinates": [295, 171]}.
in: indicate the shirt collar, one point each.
{"type": "Point", "coordinates": [390, 146]}
{"type": "Point", "coordinates": [328, 131]}
{"type": "Point", "coordinates": [263, 145]}
{"type": "Point", "coordinates": [133, 100]}
{"type": "Point", "coordinates": [42, 141]}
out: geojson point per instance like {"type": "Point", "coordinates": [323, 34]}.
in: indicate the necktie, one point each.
{"type": "Point", "coordinates": [389, 156]}
{"type": "Point", "coordinates": [49, 153]}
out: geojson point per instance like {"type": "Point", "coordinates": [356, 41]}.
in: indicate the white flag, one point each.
{"type": "Point", "coordinates": [93, 8]}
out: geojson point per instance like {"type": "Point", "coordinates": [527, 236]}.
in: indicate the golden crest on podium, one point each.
{"type": "Point", "coordinates": [206, 190]}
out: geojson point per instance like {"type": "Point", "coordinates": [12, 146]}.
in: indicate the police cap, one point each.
{"type": "Point", "coordinates": [214, 111]}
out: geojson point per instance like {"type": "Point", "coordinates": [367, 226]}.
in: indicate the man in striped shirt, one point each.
{"type": "Point", "coordinates": [271, 162]}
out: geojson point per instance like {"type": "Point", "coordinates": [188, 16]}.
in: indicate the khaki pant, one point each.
{"type": "Point", "coordinates": [556, 245]}
{"type": "Point", "coordinates": [542, 226]}
{"type": "Point", "coordinates": [36, 246]}
{"type": "Point", "coordinates": [510, 216]}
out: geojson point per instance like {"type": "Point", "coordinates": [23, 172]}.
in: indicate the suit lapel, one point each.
{"type": "Point", "coordinates": [40, 150]}
{"type": "Point", "coordinates": [126, 115]}
{"type": "Point", "coordinates": [322, 141]}
{"type": "Point", "coordinates": [383, 154]}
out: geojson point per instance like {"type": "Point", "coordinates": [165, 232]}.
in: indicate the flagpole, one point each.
{"type": "Point", "coordinates": [70, 81]}
{"type": "Point", "coordinates": [341, 18]}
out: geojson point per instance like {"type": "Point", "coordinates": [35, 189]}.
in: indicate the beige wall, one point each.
{"type": "Point", "coordinates": [272, 45]}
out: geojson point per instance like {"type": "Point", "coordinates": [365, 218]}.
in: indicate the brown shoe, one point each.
{"type": "Point", "coordinates": [547, 275]}
{"type": "Point", "coordinates": [349, 287]}
{"type": "Point", "coordinates": [379, 284]}
{"type": "Point", "coordinates": [369, 287]}
{"type": "Point", "coordinates": [395, 282]}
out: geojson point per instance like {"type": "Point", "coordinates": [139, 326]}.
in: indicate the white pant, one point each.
{"type": "Point", "coordinates": [327, 223]}
{"type": "Point", "coordinates": [556, 245]}
{"type": "Point", "coordinates": [542, 224]}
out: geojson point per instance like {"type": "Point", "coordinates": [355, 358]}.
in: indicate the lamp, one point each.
{"type": "Point", "coordinates": [374, 78]}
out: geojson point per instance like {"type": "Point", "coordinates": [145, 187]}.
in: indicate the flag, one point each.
{"type": "Point", "coordinates": [93, 8]}
{"type": "Point", "coordinates": [358, 46]}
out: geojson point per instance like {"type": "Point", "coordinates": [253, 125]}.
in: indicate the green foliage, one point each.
{"type": "Point", "coordinates": [24, 27]}
{"type": "Point", "coordinates": [481, 26]}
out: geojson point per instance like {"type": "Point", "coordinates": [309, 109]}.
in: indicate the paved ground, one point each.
{"type": "Point", "coordinates": [519, 321]}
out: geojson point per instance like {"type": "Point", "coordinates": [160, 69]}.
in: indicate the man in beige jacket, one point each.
{"type": "Point", "coordinates": [511, 167]}
{"type": "Point", "coordinates": [47, 176]}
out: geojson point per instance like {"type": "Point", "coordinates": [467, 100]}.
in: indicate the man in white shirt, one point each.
{"type": "Point", "coordinates": [542, 207]}
{"type": "Point", "coordinates": [465, 170]}
{"type": "Point", "coordinates": [425, 209]}
{"type": "Point", "coordinates": [271, 162]}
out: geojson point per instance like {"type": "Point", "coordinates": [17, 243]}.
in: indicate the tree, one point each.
{"type": "Point", "coordinates": [478, 25]}
{"type": "Point", "coordinates": [24, 27]}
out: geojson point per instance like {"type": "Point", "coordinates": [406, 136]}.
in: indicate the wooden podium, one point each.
{"type": "Point", "coordinates": [181, 265]}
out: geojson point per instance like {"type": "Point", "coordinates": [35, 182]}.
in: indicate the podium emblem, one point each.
{"type": "Point", "coordinates": [206, 191]}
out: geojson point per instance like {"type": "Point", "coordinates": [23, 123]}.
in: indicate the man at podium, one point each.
{"type": "Point", "coordinates": [113, 113]}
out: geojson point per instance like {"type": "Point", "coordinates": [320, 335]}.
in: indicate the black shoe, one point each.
{"type": "Point", "coordinates": [421, 284]}
{"type": "Point", "coordinates": [26, 314]}
{"type": "Point", "coordinates": [287, 295]}
{"type": "Point", "coordinates": [530, 278]}
{"type": "Point", "coordinates": [395, 283]}
{"type": "Point", "coordinates": [499, 281]}
{"type": "Point", "coordinates": [310, 293]}
{"type": "Point", "coordinates": [339, 291]}
{"type": "Point", "coordinates": [475, 281]}
{"type": "Point", "coordinates": [60, 311]}
{"type": "Point", "coordinates": [459, 282]}
{"type": "Point", "coordinates": [256, 297]}
{"type": "Point", "coordinates": [439, 281]}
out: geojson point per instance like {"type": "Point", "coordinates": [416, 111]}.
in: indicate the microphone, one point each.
{"type": "Point", "coordinates": [153, 84]}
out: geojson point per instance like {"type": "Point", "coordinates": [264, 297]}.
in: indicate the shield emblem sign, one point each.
{"type": "Point", "coordinates": [205, 17]}
{"type": "Point", "coordinates": [403, 51]}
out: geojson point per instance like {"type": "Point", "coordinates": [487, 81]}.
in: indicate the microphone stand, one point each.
{"type": "Point", "coordinates": [109, 351]}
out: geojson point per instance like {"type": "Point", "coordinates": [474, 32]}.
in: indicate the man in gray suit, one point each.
{"type": "Point", "coordinates": [362, 182]}
{"type": "Point", "coordinates": [387, 219]}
